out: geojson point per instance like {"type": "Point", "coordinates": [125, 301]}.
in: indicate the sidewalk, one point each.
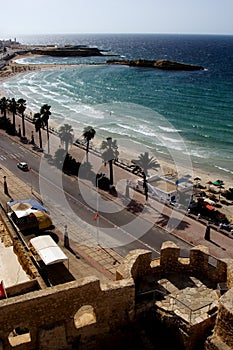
{"type": "Point", "coordinates": [187, 228]}
{"type": "Point", "coordinates": [84, 260]}
{"type": "Point", "coordinates": [175, 222]}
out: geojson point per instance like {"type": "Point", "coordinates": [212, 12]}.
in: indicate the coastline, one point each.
{"type": "Point", "coordinates": [126, 155]}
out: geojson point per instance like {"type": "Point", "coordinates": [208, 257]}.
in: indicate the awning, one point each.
{"type": "Point", "coordinates": [208, 206]}
{"type": "Point", "coordinates": [27, 203]}
{"type": "Point", "coordinates": [43, 219]}
{"type": "Point", "coordinates": [209, 201]}
{"type": "Point", "coordinates": [48, 250]}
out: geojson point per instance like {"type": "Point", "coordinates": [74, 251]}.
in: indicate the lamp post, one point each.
{"type": "Point", "coordinates": [97, 205]}
{"type": "Point", "coordinates": [66, 238]}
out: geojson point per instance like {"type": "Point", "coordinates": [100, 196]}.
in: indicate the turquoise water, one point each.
{"type": "Point", "coordinates": [189, 113]}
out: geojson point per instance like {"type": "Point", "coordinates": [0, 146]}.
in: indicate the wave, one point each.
{"type": "Point", "coordinates": [169, 129]}
{"type": "Point", "coordinates": [190, 103]}
{"type": "Point", "coordinates": [224, 169]}
{"type": "Point", "coordinates": [139, 129]}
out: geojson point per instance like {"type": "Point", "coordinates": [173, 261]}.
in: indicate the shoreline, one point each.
{"type": "Point", "coordinates": [126, 155]}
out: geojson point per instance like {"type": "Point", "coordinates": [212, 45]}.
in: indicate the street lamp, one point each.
{"type": "Point", "coordinates": [97, 205]}
{"type": "Point", "coordinates": [66, 238]}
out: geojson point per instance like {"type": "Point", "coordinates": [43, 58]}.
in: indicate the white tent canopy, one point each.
{"type": "Point", "coordinates": [48, 250]}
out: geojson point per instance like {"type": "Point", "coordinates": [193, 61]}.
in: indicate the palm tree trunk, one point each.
{"type": "Point", "coordinates": [145, 186]}
{"type": "Point", "coordinates": [87, 150]}
{"type": "Point", "coordinates": [110, 172]}
{"type": "Point", "coordinates": [23, 125]}
{"type": "Point", "coordinates": [40, 138]}
{"type": "Point", "coordinates": [14, 122]}
{"type": "Point", "coordinates": [47, 127]}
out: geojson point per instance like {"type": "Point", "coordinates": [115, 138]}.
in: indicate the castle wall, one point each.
{"type": "Point", "coordinates": [138, 263]}
{"type": "Point", "coordinates": [79, 312]}
{"type": "Point", "coordinates": [49, 314]}
{"type": "Point", "coordinates": [222, 337]}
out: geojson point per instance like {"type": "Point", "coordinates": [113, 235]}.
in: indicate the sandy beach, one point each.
{"type": "Point", "coordinates": [126, 155]}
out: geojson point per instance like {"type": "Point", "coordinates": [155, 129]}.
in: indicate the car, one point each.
{"type": "Point", "coordinates": [23, 166]}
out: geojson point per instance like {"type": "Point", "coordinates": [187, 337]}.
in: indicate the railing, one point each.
{"type": "Point", "coordinates": [191, 311]}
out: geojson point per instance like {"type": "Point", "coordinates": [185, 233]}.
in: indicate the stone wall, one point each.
{"type": "Point", "coordinates": [199, 264]}
{"type": "Point", "coordinates": [79, 314]}
{"type": "Point", "coordinates": [50, 315]}
{"type": "Point", "coordinates": [139, 263]}
{"type": "Point", "coordinates": [222, 337]}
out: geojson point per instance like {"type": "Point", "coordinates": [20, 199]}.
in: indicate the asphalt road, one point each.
{"type": "Point", "coordinates": [74, 202]}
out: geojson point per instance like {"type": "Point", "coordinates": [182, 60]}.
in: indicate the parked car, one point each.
{"type": "Point", "coordinates": [23, 166]}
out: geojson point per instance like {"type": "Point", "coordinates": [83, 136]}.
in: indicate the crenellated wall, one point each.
{"type": "Point", "coordinates": [138, 263]}
{"type": "Point", "coordinates": [198, 264]}
{"type": "Point", "coordinates": [82, 312]}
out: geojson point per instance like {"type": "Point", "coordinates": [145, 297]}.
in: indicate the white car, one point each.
{"type": "Point", "coordinates": [23, 166]}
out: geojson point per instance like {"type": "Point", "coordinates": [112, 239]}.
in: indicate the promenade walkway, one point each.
{"type": "Point", "coordinates": [106, 260]}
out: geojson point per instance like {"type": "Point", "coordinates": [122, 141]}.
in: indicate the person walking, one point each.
{"type": "Point", "coordinates": [207, 231]}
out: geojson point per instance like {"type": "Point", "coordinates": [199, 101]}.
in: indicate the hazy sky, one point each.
{"type": "Point", "coordinates": [118, 16]}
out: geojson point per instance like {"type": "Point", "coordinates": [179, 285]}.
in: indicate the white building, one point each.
{"type": "Point", "coordinates": [167, 189]}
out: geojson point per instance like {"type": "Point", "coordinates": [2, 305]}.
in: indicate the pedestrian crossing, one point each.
{"type": "Point", "coordinates": [16, 156]}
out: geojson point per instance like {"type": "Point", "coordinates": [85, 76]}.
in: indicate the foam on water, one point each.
{"type": "Point", "coordinates": [153, 107]}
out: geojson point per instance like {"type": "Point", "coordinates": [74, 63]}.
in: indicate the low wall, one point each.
{"type": "Point", "coordinates": [81, 313]}
{"type": "Point", "coordinates": [51, 315]}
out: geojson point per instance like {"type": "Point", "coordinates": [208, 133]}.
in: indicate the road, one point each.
{"type": "Point", "coordinates": [74, 202]}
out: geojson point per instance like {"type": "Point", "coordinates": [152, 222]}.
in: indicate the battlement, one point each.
{"type": "Point", "coordinates": [153, 278]}
{"type": "Point", "coordinates": [139, 263]}
{"type": "Point", "coordinates": [84, 313]}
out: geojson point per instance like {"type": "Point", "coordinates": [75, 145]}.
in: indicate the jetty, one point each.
{"type": "Point", "coordinates": [159, 64]}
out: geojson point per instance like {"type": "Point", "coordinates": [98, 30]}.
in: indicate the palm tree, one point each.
{"type": "Point", "coordinates": [21, 106]}
{"type": "Point", "coordinates": [145, 163]}
{"type": "Point", "coordinates": [38, 125]}
{"type": "Point", "coordinates": [12, 108]}
{"type": "Point", "coordinates": [110, 154]}
{"type": "Point", "coordinates": [88, 134]}
{"type": "Point", "coordinates": [45, 113]}
{"type": "Point", "coordinates": [66, 135]}
{"type": "Point", "coordinates": [3, 106]}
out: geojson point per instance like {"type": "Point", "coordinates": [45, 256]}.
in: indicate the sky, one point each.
{"type": "Point", "coordinates": [118, 16]}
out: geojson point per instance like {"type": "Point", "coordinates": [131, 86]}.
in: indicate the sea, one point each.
{"type": "Point", "coordinates": [170, 114]}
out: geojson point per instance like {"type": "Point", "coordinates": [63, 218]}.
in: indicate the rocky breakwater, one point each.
{"type": "Point", "coordinates": [159, 64]}
{"type": "Point", "coordinates": [68, 51]}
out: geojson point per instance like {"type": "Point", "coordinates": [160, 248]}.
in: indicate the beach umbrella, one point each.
{"type": "Point", "coordinates": [197, 179]}
{"type": "Point", "coordinates": [218, 182]}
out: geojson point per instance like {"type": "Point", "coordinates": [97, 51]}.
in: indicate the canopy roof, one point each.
{"type": "Point", "coordinates": [27, 203]}
{"type": "Point", "coordinates": [48, 250]}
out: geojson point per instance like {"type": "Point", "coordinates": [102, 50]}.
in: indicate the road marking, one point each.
{"type": "Point", "coordinates": [15, 155]}
{"type": "Point", "coordinates": [93, 211]}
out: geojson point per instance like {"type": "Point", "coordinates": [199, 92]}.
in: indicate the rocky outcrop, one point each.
{"type": "Point", "coordinates": [68, 51]}
{"type": "Point", "coordinates": [160, 64]}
